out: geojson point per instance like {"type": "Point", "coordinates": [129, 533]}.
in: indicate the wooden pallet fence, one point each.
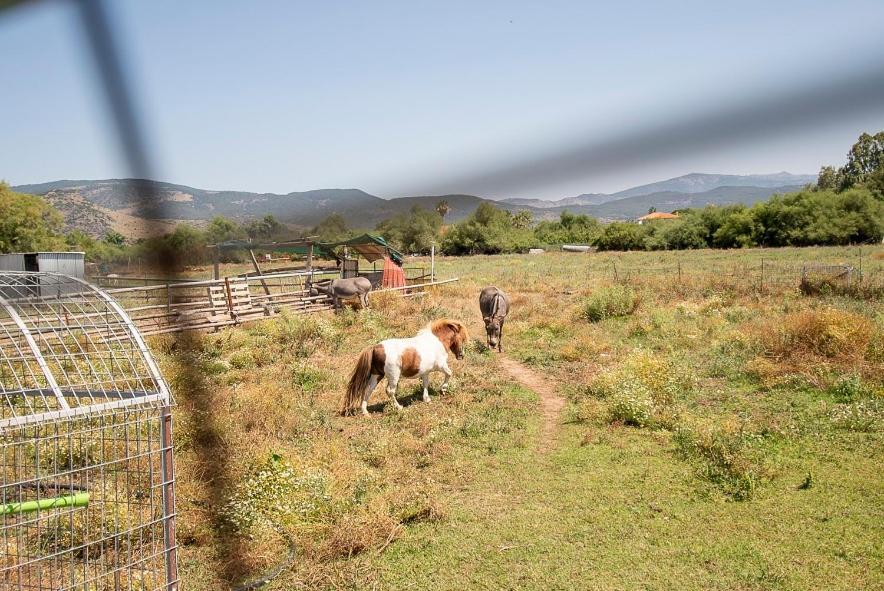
{"type": "Point", "coordinates": [214, 304]}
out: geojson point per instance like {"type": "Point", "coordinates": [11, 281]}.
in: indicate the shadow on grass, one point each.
{"type": "Point", "coordinates": [384, 401]}
{"type": "Point", "coordinates": [196, 398]}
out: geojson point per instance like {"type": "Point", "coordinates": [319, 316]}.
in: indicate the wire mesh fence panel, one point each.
{"type": "Point", "coordinates": [83, 503]}
{"type": "Point", "coordinates": [86, 475]}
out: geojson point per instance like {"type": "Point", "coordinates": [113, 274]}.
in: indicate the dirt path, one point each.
{"type": "Point", "coordinates": [550, 402]}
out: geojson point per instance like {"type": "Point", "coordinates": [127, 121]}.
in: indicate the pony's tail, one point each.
{"type": "Point", "coordinates": [358, 381]}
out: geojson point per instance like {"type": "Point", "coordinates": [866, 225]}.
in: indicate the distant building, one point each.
{"type": "Point", "coordinates": [657, 215]}
{"type": "Point", "coordinates": [66, 263]}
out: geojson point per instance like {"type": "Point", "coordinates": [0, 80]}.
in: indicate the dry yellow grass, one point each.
{"type": "Point", "coordinates": [454, 494]}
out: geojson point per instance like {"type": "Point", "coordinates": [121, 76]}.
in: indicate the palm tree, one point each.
{"type": "Point", "coordinates": [442, 208]}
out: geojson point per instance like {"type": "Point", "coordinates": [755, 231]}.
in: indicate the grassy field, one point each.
{"type": "Point", "coordinates": [721, 431]}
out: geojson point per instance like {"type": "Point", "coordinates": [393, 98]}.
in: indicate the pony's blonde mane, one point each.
{"type": "Point", "coordinates": [441, 323]}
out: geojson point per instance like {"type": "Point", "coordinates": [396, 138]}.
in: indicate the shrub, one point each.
{"type": "Point", "coordinates": [642, 391]}
{"type": "Point", "coordinates": [570, 229]}
{"type": "Point", "coordinates": [611, 302]}
{"type": "Point", "coordinates": [635, 410]}
{"type": "Point", "coordinates": [488, 230]}
{"type": "Point", "coordinates": [827, 333]}
{"type": "Point", "coordinates": [300, 334]}
{"type": "Point", "coordinates": [828, 286]}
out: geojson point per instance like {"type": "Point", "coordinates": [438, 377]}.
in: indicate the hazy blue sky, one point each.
{"type": "Point", "coordinates": [394, 96]}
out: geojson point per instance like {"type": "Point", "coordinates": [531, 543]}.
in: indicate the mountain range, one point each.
{"type": "Point", "coordinates": [96, 206]}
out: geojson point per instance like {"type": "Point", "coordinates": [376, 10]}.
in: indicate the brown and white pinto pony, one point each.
{"type": "Point", "coordinates": [406, 358]}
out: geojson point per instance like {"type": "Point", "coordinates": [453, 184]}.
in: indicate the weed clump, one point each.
{"type": "Point", "coordinates": [850, 388]}
{"type": "Point", "coordinates": [611, 302]}
{"type": "Point", "coordinates": [836, 286]}
{"type": "Point", "coordinates": [276, 495]}
{"type": "Point", "coordinates": [301, 334]}
{"type": "Point", "coordinates": [490, 420]}
{"type": "Point", "coordinates": [242, 360]}
{"type": "Point", "coordinates": [814, 345]}
{"type": "Point", "coordinates": [730, 460]}
{"type": "Point", "coordinates": [633, 410]}
{"type": "Point", "coordinates": [828, 333]}
{"type": "Point", "coordinates": [862, 416]}
{"type": "Point", "coordinates": [353, 534]}
{"type": "Point", "coordinates": [307, 378]}
{"type": "Point", "coordinates": [90, 531]}
{"type": "Point", "coordinates": [643, 390]}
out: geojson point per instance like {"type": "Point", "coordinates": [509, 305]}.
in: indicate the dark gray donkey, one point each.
{"type": "Point", "coordinates": [339, 289]}
{"type": "Point", "coordinates": [494, 306]}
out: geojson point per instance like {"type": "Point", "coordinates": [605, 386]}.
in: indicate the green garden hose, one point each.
{"type": "Point", "coordinates": [77, 500]}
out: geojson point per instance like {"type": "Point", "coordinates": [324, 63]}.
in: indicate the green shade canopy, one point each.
{"type": "Point", "coordinates": [373, 248]}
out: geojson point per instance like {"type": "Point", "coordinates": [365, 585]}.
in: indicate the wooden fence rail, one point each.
{"type": "Point", "coordinates": [212, 304]}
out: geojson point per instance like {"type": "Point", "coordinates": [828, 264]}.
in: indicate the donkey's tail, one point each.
{"type": "Point", "coordinates": [358, 381]}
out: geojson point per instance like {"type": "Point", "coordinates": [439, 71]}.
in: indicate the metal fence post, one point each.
{"type": "Point", "coordinates": [761, 281]}
{"type": "Point", "coordinates": [171, 549]}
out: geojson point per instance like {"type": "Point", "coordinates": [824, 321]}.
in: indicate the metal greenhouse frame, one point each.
{"type": "Point", "coordinates": [86, 474]}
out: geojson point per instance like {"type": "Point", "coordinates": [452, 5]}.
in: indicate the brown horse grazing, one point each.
{"type": "Point", "coordinates": [397, 358]}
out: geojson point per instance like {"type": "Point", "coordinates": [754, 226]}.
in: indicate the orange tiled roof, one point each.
{"type": "Point", "coordinates": [659, 215]}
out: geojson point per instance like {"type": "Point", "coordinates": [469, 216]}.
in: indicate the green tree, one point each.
{"type": "Point", "coordinates": [739, 230]}
{"type": "Point", "coordinates": [442, 208]}
{"type": "Point", "coordinates": [332, 229]}
{"type": "Point", "coordinates": [415, 231]}
{"type": "Point", "coordinates": [522, 219]}
{"type": "Point", "coordinates": [265, 228]}
{"type": "Point", "coordinates": [569, 229]}
{"type": "Point", "coordinates": [488, 231]}
{"type": "Point", "coordinates": [876, 183]}
{"type": "Point", "coordinates": [865, 157]}
{"type": "Point", "coordinates": [829, 179]}
{"type": "Point", "coordinates": [114, 238]}
{"type": "Point", "coordinates": [684, 234]}
{"type": "Point", "coordinates": [221, 229]}
{"type": "Point", "coordinates": [622, 236]}
{"type": "Point", "coordinates": [97, 251]}
{"type": "Point", "coordinates": [808, 218]}
{"type": "Point", "coordinates": [27, 223]}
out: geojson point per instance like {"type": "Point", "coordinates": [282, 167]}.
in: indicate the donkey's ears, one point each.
{"type": "Point", "coordinates": [455, 327]}
{"type": "Point", "coordinates": [486, 319]}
